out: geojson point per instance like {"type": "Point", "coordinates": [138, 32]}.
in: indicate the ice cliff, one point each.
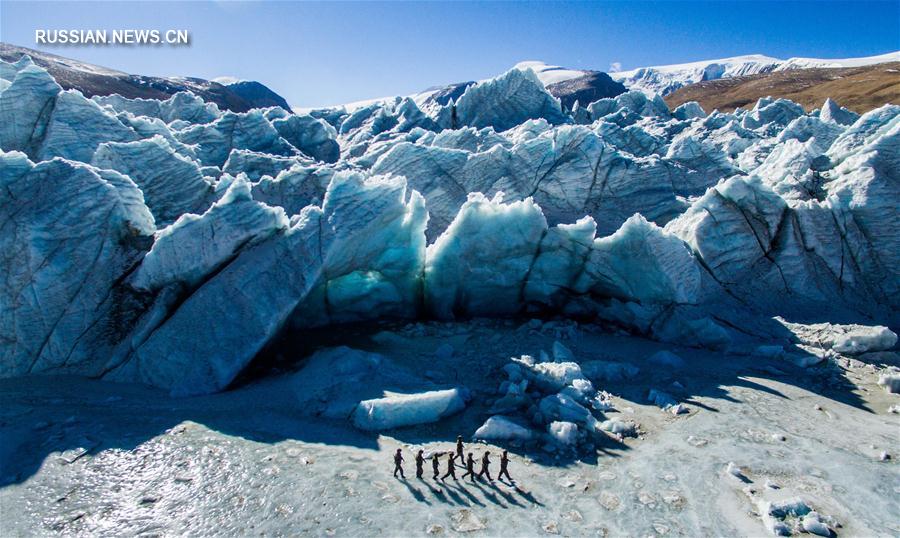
{"type": "Point", "coordinates": [168, 242]}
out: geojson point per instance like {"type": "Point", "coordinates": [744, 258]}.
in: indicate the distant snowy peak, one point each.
{"type": "Point", "coordinates": [551, 74]}
{"type": "Point", "coordinates": [666, 79]}
{"type": "Point", "coordinates": [227, 81]}
{"type": "Point", "coordinates": [807, 63]}
{"type": "Point", "coordinates": [574, 85]}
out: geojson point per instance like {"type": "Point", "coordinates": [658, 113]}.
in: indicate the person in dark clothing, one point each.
{"type": "Point", "coordinates": [470, 468]}
{"type": "Point", "coordinates": [504, 463]}
{"type": "Point", "coordinates": [434, 465]}
{"type": "Point", "coordinates": [451, 466]}
{"type": "Point", "coordinates": [420, 461]}
{"type": "Point", "coordinates": [398, 459]}
{"type": "Point", "coordinates": [459, 449]}
{"type": "Point", "coordinates": [485, 462]}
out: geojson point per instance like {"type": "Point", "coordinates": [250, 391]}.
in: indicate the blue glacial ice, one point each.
{"type": "Point", "coordinates": [168, 242]}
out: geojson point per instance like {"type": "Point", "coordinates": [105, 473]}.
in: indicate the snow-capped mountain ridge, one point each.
{"type": "Point", "coordinates": [661, 79]}
{"type": "Point", "coordinates": [665, 79]}
{"type": "Point", "coordinates": [733, 60]}
{"type": "Point", "coordinates": [805, 63]}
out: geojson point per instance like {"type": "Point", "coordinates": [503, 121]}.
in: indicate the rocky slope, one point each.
{"type": "Point", "coordinates": [93, 80]}
{"type": "Point", "coordinates": [257, 94]}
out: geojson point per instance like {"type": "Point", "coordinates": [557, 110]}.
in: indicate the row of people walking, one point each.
{"type": "Point", "coordinates": [469, 464]}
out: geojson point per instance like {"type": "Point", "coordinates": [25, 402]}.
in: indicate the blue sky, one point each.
{"type": "Point", "coordinates": [330, 53]}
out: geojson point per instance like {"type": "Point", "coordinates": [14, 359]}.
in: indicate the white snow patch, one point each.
{"type": "Point", "coordinates": [227, 81]}
{"type": "Point", "coordinates": [550, 74]}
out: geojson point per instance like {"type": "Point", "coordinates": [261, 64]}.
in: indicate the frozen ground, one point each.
{"type": "Point", "coordinates": [94, 457]}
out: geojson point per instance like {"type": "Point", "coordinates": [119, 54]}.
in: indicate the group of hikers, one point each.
{"type": "Point", "coordinates": [451, 464]}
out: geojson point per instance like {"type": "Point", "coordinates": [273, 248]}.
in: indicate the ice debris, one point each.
{"type": "Point", "coordinates": [890, 381]}
{"type": "Point", "coordinates": [617, 426]}
{"type": "Point", "coordinates": [500, 428]}
{"type": "Point", "coordinates": [793, 515]}
{"type": "Point", "coordinates": [399, 410]}
{"type": "Point", "coordinates": [564, 433]}
{"type": "Point", "coordinates": [554, 396]}
{"type": "Point", "coordinates": [666, 402]}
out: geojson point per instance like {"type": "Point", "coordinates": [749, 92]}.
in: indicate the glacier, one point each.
{"type": "Point", "coordinates": [171, 243]}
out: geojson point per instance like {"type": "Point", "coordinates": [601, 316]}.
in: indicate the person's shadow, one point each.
{"type": "Point", "coordinates": [490, 495]}
{"type": "Point", "coordinates": [457, 498]}
{"type": "Point", "coordinates": [416, 492]}
{"type": "Point", "coordinates": [438, 493]}
{"type": "Point", "coordinates": [473, 499]}
{"type": "Point", "coordinates": [528, 496]}
{"type": "Point", "coordinates": [507, 496]}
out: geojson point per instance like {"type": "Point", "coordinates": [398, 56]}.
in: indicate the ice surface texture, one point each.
{"type": "Point", "coordinates": [407, 409]}
{"type": "Point", "coordinates": [168, 242]}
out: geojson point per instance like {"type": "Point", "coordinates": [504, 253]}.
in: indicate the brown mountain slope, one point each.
{"type": "Point", "coordinates": [860, 89]}
{"type": "Point", "coordinates": [93, 80]}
